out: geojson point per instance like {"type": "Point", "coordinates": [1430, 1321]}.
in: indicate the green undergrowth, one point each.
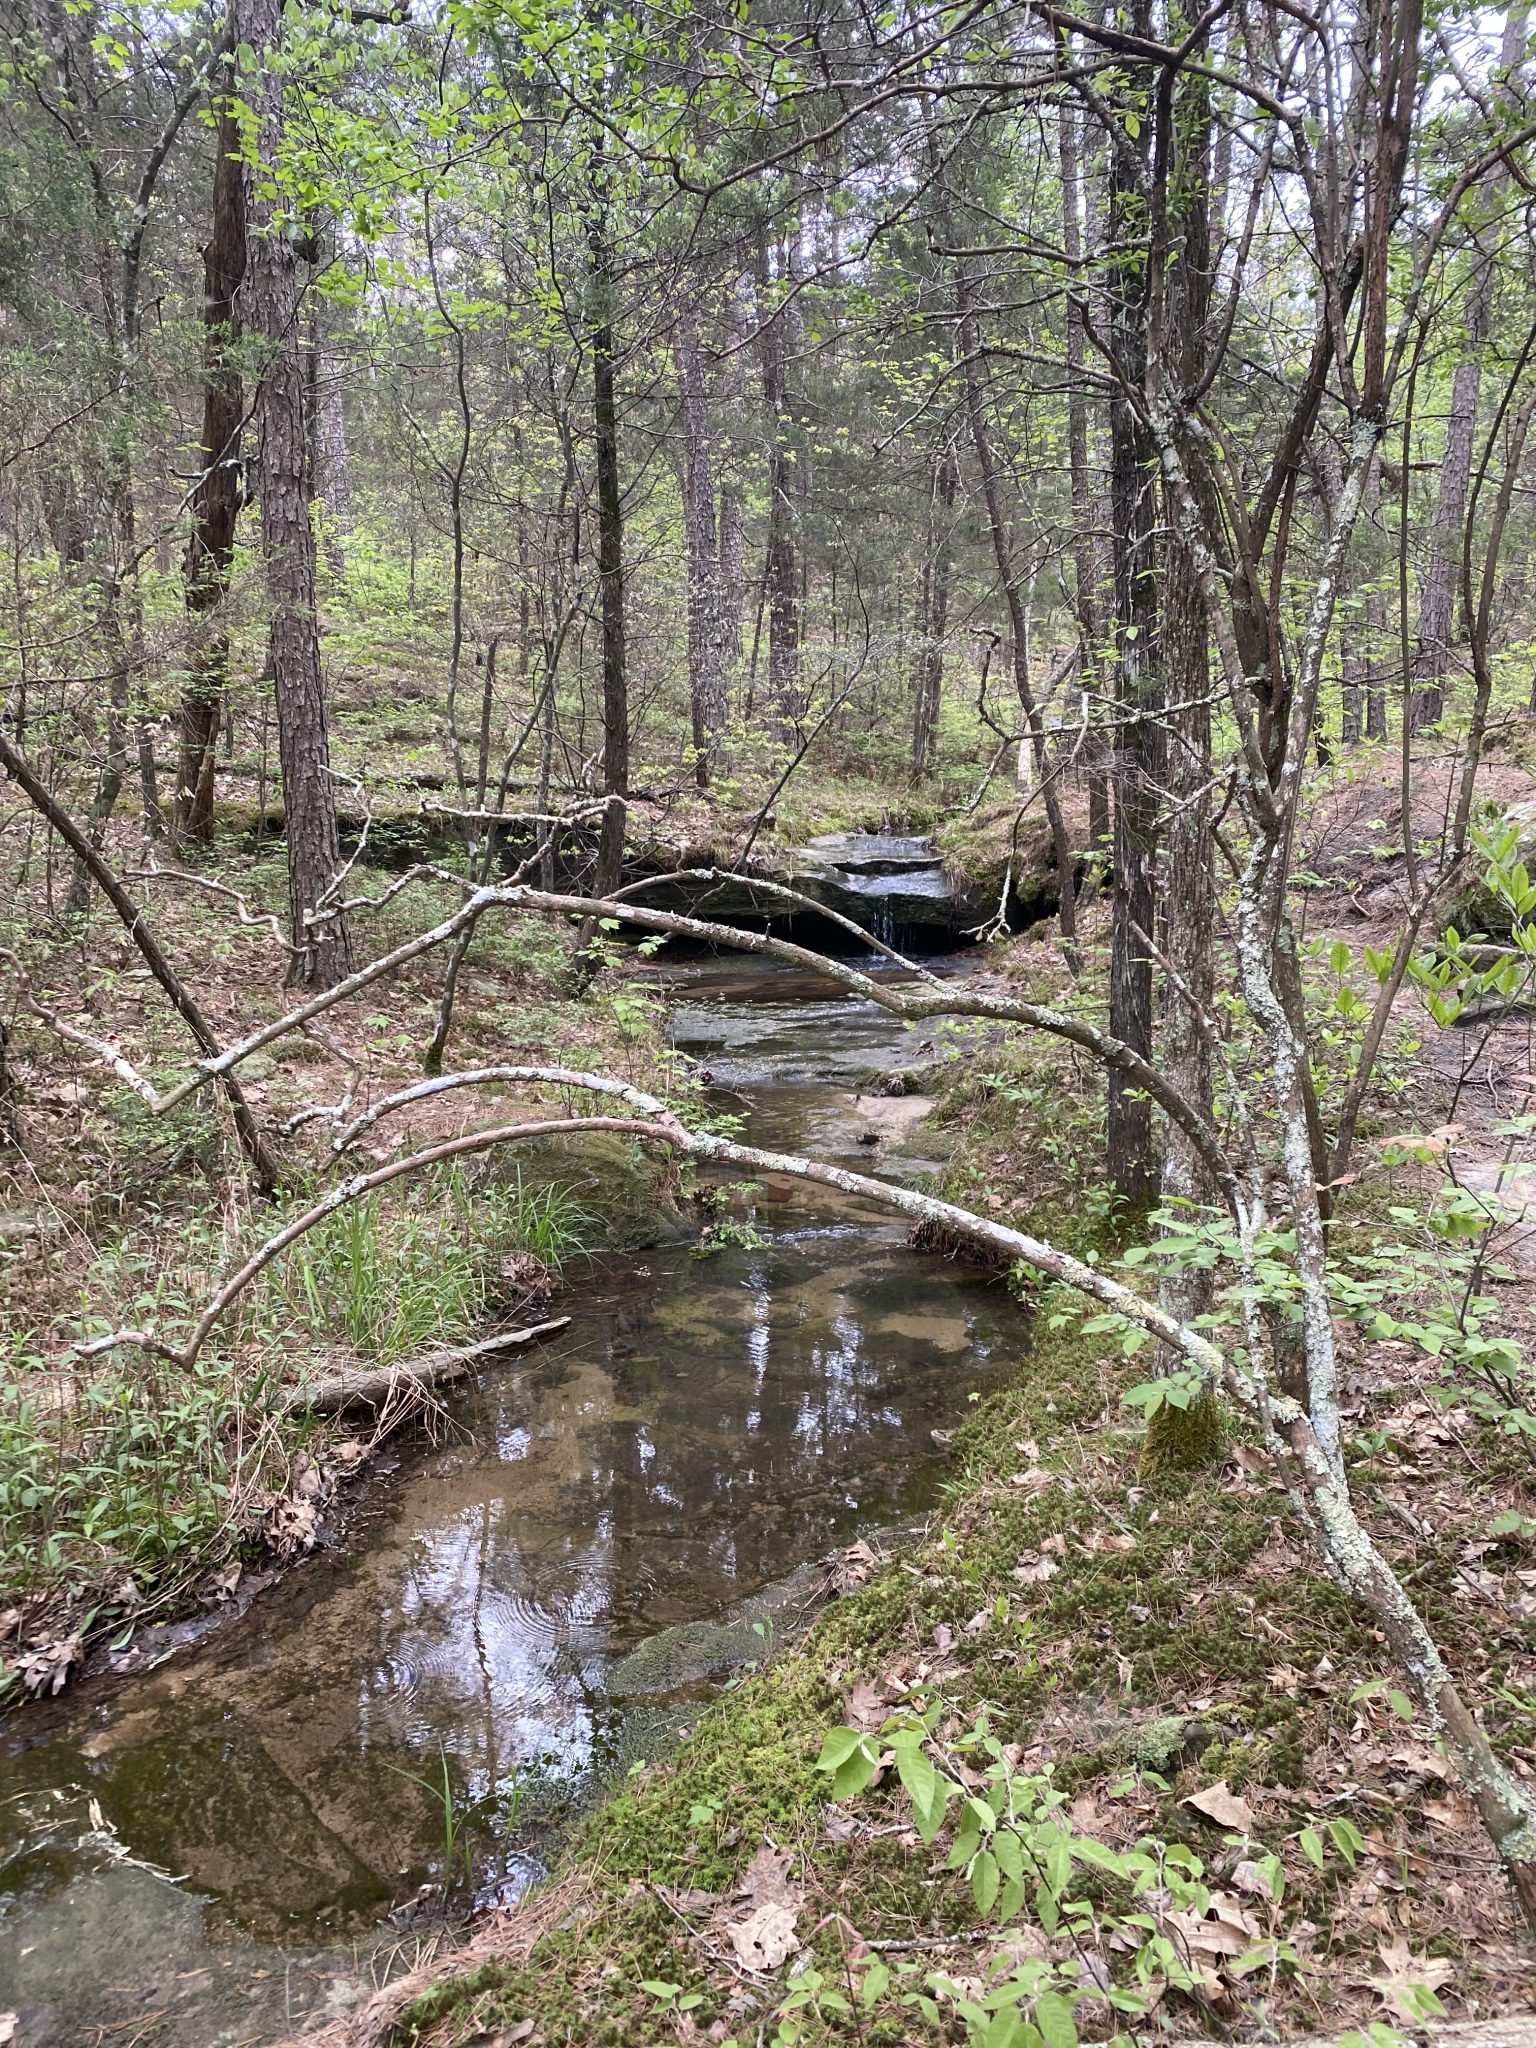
{"type": "Point", "coordinates": [1105, 1617]}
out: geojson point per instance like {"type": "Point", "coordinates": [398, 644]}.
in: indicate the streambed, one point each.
{"type": "Point", "coordinates": [609, 1527]}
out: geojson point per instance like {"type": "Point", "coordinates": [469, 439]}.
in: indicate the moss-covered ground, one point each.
{"type": "Point", "coordinates": [1144, 1639]}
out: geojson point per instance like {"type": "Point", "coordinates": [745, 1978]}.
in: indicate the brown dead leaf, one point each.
{"type": "Point", "coordinates": [765, 1938]}
{"type": "Point", "coordinates": [47, 1668]}
{"type": "Point", "coordinates": [687, 1899]}
{"type": "Point", "coordinates": [1421, 1761]}
{"type": "Point", "coordinates": [1403, 1973]}
{"type": "Point", "coordinates": [1034, 1570]}
{"type": "Point", "coordinates": [1110, 1540]}
{"type": "Point", "coordinates": [292, 1526]}
{"type": "Point", "coordinates": [1228, 1930]}
{"type": "Point", "coordinates": [1452, 1812]}
{"type": "Point", "coordinates": [866, 1707]}
{"type": "Point", "coordinates": [1221, 1804]}
{"type": "Point", "coordinates": [849, 1568]}
{"type": "Point", "coordinates": [1034, 1480]}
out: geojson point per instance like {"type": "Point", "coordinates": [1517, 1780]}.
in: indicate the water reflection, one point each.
{"type": "Point", "coordinates": [591, 1544]}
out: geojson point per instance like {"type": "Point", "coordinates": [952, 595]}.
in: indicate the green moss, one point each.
{"type": "Point", "coordinates": [1185, 1439]}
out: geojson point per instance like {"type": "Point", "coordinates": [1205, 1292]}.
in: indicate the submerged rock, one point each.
{"type": "Point", "coordinates": [684, 1655]}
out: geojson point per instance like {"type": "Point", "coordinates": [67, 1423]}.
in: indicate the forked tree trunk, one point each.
{"type": "Point", "coordinates": [271, 297]}
{"type": "Point", "coordinates": [216, 498]}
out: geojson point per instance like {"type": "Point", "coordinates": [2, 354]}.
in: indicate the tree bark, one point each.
{"type": "Point", "coordinates": [216, 497]}
{"type": "Point", "coordinates": [610, 555]}
{"type": "Point", "coordinates": [1086, 518]}
{"type": "Point", "coordinates": [271, 298]}
{"type": "Point", "coordinates": [708, 629]}
{"type": "Point", "coordinates": [932, 613]}
{"type": "Point", "coordinates": [1432, 649]}
{"type": "Point", "coordinates": [1187, 1436]}
{"type": "Point", "coordinates": [783, 584]}
{"type": "Point", "coordinates": [1136, 753]}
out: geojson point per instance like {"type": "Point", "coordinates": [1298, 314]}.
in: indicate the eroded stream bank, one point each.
{"type": "Point", "coordinates": [609, 1527]}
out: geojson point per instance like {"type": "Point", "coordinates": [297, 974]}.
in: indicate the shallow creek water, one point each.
{"type": "Point", "coordinates": [608, 1527]}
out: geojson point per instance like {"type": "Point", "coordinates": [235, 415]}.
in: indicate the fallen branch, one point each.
{"type": "Point", "coordinates": [253, 1138]}
{"type": "Point", "coordinates": [341, 1390]}
{"type": "Point", "coordinates": [931, 1000]}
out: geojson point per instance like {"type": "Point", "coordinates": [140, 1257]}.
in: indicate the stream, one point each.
{"type": "Point", "coordinates": [236, 1842]}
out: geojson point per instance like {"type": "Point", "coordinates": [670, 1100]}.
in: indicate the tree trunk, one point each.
{"type": "Point", "coordinates": [733, 584]}
{"type": "Point", "coordinates": [271, 298]}
{"type": "Point", "coordinates": [707, 626]}
{"type": "Point", "coordinates": [1136, 760]}
{"type": "Point", "coordinates": [783, 584]}
{"type": "Point", "coordinates": [1186, 1437]}
{"type": "Point", "coordinates": [1432, 650]}
{"type": "Point", "coordinates": [216, 497]}
{"type": "Point", "coordinates": [1018, 619]}
{"type": "Point", "coordinates": [610, 556]}
{"type": "Point", "coordinates": [334, 474]}
{"type": "Point", "coordinates": [932, 613]}
{"type": "Point", "coordinates": [1085, 512]}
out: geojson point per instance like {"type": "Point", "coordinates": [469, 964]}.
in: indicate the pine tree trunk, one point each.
{"type": "Point", "coordinates": [272, 314]}
{"type": "Point", "coordinates": [216, 497]}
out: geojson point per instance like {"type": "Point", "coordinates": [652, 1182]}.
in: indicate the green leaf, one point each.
{"type": "Point", "coordinates": [1053, 2016]}
{"type": "Point", "coordinates": [1347, 1839]}
{"type": "Point", "coordinates": [1311, 1843]}
{"type": "Point", "coordinates": [929, 1793]}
